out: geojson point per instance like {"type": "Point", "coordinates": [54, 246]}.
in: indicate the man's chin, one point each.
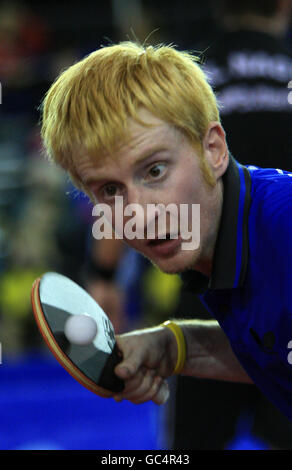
{"type": "Point", "coordinates": [175, 265]}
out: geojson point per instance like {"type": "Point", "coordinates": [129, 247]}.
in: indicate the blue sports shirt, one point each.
{"type": "Point", "coordinates": [250, 290]}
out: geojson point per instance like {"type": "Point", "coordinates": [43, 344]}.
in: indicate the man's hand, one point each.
{"type": "Point", "coordinates": [149, 357]}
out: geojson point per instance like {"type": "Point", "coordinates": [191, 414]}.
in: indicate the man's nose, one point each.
{"type": "Point", "coordinates": [136, 202]}
{"type": "Point", "coordinates": [144, 206]}
{"type": "Point", "coordinates": [135, 195]}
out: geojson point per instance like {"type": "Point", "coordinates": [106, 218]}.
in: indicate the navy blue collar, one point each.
{"type": "Point", "coordinates": [231, 249]}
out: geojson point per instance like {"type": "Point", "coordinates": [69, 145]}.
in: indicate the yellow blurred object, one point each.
{"type": "Point", "coordinates": [15, 287]}
{"type": "Point", "coordinates": [162, 289]}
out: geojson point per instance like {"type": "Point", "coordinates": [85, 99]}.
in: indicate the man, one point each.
{"type": "Point", "coordinates": [143, 123]}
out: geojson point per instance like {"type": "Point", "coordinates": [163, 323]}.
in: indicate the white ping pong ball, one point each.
{"type": "Point", "coordinates": [80, 329]}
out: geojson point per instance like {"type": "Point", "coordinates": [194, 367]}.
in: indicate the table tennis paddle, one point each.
{"type": "Point", "coordinates": [54, 299]}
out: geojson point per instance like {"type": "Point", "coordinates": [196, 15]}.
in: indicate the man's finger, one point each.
{"type": "Point", "coordinates": [133, 392]}
{"type": "Point", "coordinates": [150, 393]}
{"type": "Point", "coordinates": [162, 395]}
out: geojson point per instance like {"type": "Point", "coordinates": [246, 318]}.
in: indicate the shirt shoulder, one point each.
{"type": "Point", "coordinates": [271, 193]}
{"type": "Point", "coordinates": [270, 222]}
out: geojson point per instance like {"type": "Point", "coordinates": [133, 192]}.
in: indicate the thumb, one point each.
{"type": "Point", "coordinates": [132, 358]}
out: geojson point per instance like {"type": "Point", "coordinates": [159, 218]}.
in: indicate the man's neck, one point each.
{"type": "Point", "coordinates": [205, 267]}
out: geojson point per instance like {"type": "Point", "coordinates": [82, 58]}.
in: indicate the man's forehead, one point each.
{"type": "Point", "coordinates": [140, 134]}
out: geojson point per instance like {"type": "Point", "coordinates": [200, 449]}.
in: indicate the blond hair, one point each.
{"type": "Point", "coordinates": [89, 104]}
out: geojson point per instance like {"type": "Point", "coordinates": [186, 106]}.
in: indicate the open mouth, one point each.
{"type": "Point", "coordinates": [159, 241]}
{"type": "Point", "coordinates": [164, 246]}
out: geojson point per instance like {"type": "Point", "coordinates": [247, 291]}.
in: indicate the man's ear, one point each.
{"type": "Point", "coordinates": [215, 149]}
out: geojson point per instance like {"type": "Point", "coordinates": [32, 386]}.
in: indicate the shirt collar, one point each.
{"type": "Point", "coordinates": [231, 250]}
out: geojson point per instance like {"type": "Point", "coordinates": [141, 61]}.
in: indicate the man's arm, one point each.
{"type": "Point", "coordinates": [209, 354]}
{"type": "Point", "coordinates": [150, 355]}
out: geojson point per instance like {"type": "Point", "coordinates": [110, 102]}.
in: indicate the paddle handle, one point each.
{"type": "Point", "coordinates": [108, 378]}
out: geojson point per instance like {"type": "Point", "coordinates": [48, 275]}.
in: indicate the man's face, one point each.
{"type": "Point", "coordinates": [159, 166]}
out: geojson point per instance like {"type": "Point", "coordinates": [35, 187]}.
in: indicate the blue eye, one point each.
{"type": "Point", "coordinates": [157, 170]}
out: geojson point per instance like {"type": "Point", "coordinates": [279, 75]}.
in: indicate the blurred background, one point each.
{"type": "Point", "coordinates": [45, 224]}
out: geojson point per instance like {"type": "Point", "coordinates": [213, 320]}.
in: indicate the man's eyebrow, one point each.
{"type": "Point", "coordinates": [90, 180]}
{"type": "Point", "coordinates": [147, 154]}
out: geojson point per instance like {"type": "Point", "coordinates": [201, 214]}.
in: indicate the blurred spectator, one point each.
{"type": "Point", "coordinates": [32, 192]}
{"type": "Point", "coordinates": [250, 66]}
{"type": "Point", "coordinates": [23, 38]}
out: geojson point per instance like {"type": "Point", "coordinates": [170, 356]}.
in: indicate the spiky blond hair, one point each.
{"type": "Point", "coordinates": [89, 103]}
